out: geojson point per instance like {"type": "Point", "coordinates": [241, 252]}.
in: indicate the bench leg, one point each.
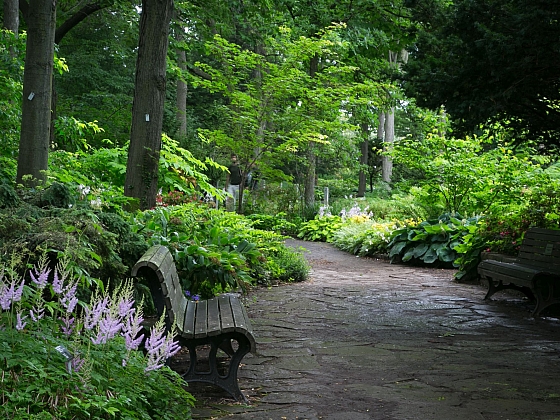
{"type": "Point", "coordinates": [546, 294]}
{"type": "Point", "coordinates": [227, 382]}
{"type": "Point", "coordinates": [494, 288]}
{"type": "Point", "coordinates": [491, 288]}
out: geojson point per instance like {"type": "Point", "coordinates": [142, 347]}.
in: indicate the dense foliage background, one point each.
{"type": "Point", "coordinates": [425, 131]}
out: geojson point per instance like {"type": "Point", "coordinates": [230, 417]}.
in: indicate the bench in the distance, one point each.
{"type": "Point", "coordinates": [221, 322]}
{"type": "Point", "coordinates": [535, 271]}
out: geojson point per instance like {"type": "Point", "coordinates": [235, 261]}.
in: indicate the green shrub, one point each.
{"type": "Point", "coordinates": [365, 238]}
{"type": "Point", "coordinates": [8, 196]}
{"type": "Point", "coordinates": [216, 262]}
{"type": "Point", "coordinates": [94, 251]}
{"type": "Point", "coordinates": [288, 265]}
{"type": "Point", "coordinates": [277, 223]}
{"type": "Point", "coordinates": [431, 241]}
{"type": "Point", "coordinates": [217, 251]}
{"type": "Point", "coordinates": [320, 229]}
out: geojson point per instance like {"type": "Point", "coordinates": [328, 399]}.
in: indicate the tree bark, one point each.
{"type": "Point", "coordinates": [11, 16]}
{"type": "Point", "coordinates": [309, 197]}
{"type": "Point", "coordinates": [37, 90]}
{"type": "Point", "coordinates": [364, 150]}
{"type": "Point", "coordinates": [389, 139]}
{"type": "Point", "coordinates": [310, 177]}
{"type": "Point", "coordinates": [182, 91]}
{"type": "Point", "coordinates": [147, 108]}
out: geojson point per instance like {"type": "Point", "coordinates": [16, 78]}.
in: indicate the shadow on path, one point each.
{"type": "Point", "coordinates": [364, 339]}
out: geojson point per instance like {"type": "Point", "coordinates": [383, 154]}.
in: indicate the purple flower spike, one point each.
{"type": "Point", "coordinates": [37, 314]}
{"type": "Point", "coordinates": [160, 347]}
{"type": "Point", "coordinates": [58, 282]}
{"type": "Point", "coordinates": [6, 296]}
{"type": "Point", "coordinates": [108, 328]}
{"type": "Point", "coordinates": [94, 314]}
{"type": "Point", "coordinates": [131, 330]}
{"type": "Point", "coordinates": [68, 327]}
{"type": "Point", "coordinates": [9, 294]}
{"type": "Point", "coordinates": [40, 279]}
{"type": "Point", "coordinates": [68, 300]}
{"type": "Point", "coordinates": [20, 325]}
{"type": "Point", "coordinates": [125, 307]}
{"type": "Point", "coordinates": [18, 292]}
{"type": "Point", "coordinates": [172, 347]}
{"type": "Point", "coordinates": [77, 363]}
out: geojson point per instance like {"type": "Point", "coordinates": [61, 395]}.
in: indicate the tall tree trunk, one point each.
{"type": "Point", "coordinates": [387, 171]}
{"type": "Point", "coordinates": [387, 162]}
{"type": "Point", "coordinates": [37, 90]}
{"type": "Point", "coordinates": [364, 149]}
{"type": "Point", "coordinates": [11, 15]}
{"type": "Point", "coordinates": [147, 108]}
{"type": "Point", "coordinates": [182, 91]}
{"type": "Point", "coordinates": [309, 197]}
{"type": "Point", "coordinates": [380, 137]}
{"type": "Point", "coordinates": [381, 127]}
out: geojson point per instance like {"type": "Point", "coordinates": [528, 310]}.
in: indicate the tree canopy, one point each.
{"type": "Point", "coordinates": [488, 61]}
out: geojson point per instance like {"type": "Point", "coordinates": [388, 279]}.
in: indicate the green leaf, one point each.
{"type": "Point", "coordinates": [431, 255]}
{"type": "Point", "coordinates": [446, 255]}
{"type": "Point", "coordinates": [420, 250]}
{"type": "Point", "coordinates": [396, 249]}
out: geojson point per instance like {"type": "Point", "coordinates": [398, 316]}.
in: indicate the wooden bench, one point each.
{"type": "Point", "coordinates": [221, 322]}
{"type": "Point", "coordinates": [535, 271]}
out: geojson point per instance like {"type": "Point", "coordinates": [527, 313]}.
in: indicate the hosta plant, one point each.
{"type": "Point", "coordinates": [431, 241]}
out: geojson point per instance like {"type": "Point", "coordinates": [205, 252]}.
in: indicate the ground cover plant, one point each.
{"type": "Point", "coordinates": [219, 251]}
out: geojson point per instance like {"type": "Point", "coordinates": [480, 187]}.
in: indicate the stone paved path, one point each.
{"type": "Point", "coordinates": [364, 339]}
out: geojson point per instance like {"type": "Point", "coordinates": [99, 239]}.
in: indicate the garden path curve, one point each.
{"type": "Point", "coordinates": [364, 339]}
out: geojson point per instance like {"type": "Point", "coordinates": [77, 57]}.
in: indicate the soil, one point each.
{"type": "Point", "coordinates": [365, 339]}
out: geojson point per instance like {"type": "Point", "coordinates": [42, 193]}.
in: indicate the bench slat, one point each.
{"type": "Point", "coordinates": [238, 316]}
{"type": "Point", "coordinates": [179, 300]}
{"type": "Point", "coordinates": [201, 322]}
{"type": "Point", "coordinates": [226, 315]}
{"type": "Point", "coordinates": [249, 332]}
{"type": "Point", "coordinates": [144, 260]}
{"type": "Point", "coordinates": [214, 325]}
{"type": "Point", "coordinates": [188, 325]}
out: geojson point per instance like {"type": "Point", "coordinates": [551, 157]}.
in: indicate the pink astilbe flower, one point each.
{"type": "Point", "coordinates": [20, 325]}
{"type": "Point", "coordinates": [160, 347]}
{"type": "Point", "coordinates": [68, 299]}
{"type": "Point", "coordinates": [10, 294]}
{"type": "Point", "coordinates": [68, 325]}
{"type": "Point", "coordinates": [108, 328]}
{"type": "Point", "coordinates": [77, 363]}
{"type": "Point", "coordinates": [59, 277]}
{"type": "Point", "coordinates": [40, 278]}
{"type": "Point", "coordinates": [93, 315]}
{"type": "Point", "coordinates": [131, 330]}
{"type": "Point", "coordinates": [125, 306]}
{"type": "Point", "coordinates": [37, 313]}
{"type": "Point", "coordinates": [6, 293]}
{"type": "Point", "coordinates": [18, 293]}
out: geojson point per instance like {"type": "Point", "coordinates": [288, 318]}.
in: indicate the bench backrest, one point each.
{"type": "Point", "coordinates": [158, 267]}
{"type": "Point", "coordinates": [194, 320]}
{"type": "Point", "coordinates": [541, 248]}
